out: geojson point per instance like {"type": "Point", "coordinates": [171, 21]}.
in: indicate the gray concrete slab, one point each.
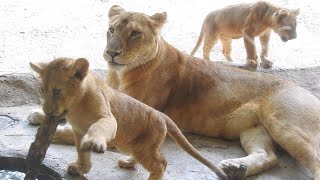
{"type": "Point", "coordinates": [16, 136]}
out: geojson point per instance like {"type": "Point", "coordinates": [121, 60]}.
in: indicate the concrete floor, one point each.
{"type": "Point", "coordinates": [16, 136]}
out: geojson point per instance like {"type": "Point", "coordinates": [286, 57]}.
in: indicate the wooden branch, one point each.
{"type": "Point", "coordinates": [40, 145]}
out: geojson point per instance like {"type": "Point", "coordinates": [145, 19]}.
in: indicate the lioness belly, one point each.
{"type": "Point", "coordinates": [228, 124]}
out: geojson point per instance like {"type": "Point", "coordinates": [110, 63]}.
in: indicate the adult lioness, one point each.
{"type": "Point", "coordinates": [248, 21]}
{"type": "Point", "coordinates": [210, 98]}
{"type": "Point", "coordinates": [98, 114]}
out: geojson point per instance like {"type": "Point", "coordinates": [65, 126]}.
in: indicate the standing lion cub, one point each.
{"type": "Point", "coordinates": [247, 21]}
{"type": "Point", "coordinates": [98, 114]}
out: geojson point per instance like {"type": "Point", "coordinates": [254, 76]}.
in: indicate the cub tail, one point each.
{"type": "Point", "coordinates": [200, 39]}
{"type": "Point", "coordinates": [181, 140]}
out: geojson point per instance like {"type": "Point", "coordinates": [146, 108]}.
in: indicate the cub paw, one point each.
{"type": "Point", "coordinates": [127, 162]}
{"type": "Point", "coordinates": [36, 116]}
{"type": "Point", "coordinates": [233, 169]}
{"type": "Point", "coordinates": [76, 169]}
{"type": "Point", "coordinates": [252, 62]}
{"type": "Point", "coordinates": [266, 63]}
{"type": "Point", "coordinates": [94, 143]}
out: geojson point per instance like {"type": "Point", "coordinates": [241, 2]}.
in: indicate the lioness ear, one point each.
{"type": "Point", "coordinates": [38, 67]}
{"type": "Point", "coordinates": [281, 15]}
{"type": "Point", "coordinates": [115, 10]}
{"type": "Point", "coordinates": [159, 19]}
{"type": "Point", "coordinates": [80, 68]}
{"type": "Point", "coordinates": [296, 11]}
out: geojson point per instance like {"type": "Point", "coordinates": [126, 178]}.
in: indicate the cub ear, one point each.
{"type": "Point", "coordinates": [280, 15]}
{"type": "Point", "coordinates": [38, 67]}
{"type": "Point", "coordinates": [115, 10]}
{"type": "Point", "coordinates": [80, 68]}
{"type": "Point", "coordinates": [159, 19]}
{"type": "Point", "coordinates": [296, 11]}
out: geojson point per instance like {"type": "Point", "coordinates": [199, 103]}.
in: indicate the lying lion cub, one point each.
{"type": "Point", "coordinates": [248, 21]}
{"type": "Point", "coordinates": [98, 114]}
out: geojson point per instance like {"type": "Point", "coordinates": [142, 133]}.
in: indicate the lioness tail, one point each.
{"type": "Point", "coordinates": [180, 139]}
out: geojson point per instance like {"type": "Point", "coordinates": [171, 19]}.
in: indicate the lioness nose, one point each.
{"type": "Point", "coordinates": [114, 54]}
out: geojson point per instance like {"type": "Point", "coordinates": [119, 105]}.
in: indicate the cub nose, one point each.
{"type": "Point", "coordinates": [114, 53]}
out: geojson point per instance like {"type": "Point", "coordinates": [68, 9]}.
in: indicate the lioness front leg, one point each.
{"type": "Point", "coordinates": [264, 41]}
{"type": "Point", "coordinates": [259, 145]}
{"type": "Point", "coordinates": [83, 163]}
{"type": "Point", "coordinates": [101, 132]}
{"type": "Point", "coordinates": [63, 134]}
{"type": "Point", "coordinates": [252, 58]}
{"type": "Point", "coordinates": [112, 79]}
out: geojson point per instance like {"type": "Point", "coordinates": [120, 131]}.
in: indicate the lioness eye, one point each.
{"type": "Point", "coordinates": [111, 30]}
{"type": "Point", "coordinates": [56, 92]}
{"type": "Point", "coordinates": [135, 33]}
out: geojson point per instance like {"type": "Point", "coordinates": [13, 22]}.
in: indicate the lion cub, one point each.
{"type": "Point", "coordinates": [98, 114]}
{"type": "Point", "coordinates": [248, 21]}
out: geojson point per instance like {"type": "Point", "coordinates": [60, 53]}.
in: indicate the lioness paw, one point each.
{"type": "Point", "coordinates": [233, 169]}
{"type": "Point", "coordinates": [36, 116]}
{"type": "Point", "coordinates": [76, 169]}
{"type": "Point", "coordinates": [94, 143]}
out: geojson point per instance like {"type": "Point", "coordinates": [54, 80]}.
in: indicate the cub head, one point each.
{"type": "Point", "coordinates": [132, 38]}
{"type": "Point", "coordinates": [61, 82]}
{"type": "Point", "coordinates": [285, 23]}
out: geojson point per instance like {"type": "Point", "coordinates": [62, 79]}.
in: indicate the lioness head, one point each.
{"type": "Point", "coordinates": [285, 23]}
{"type": "Point", "coordinates": [132, 38]}
{"type": "Point", "coordinates": [60, 83]}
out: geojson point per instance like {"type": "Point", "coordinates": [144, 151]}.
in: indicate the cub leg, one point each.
{"type": "Point", "coordinates": [259, 145]}
{"type": "Point", "coordinates": [209, 41]}
{"type": "Point", "coordinates": [153, 161]}
{"type": "Point", "coordinates": [252, 58]}
{"type": "Point", "coordinates": [264, 41]}
{"type": "Point", "coordinates": [127, 162]}
{"type": "Point", "coordinates": [99, 133]}
{"type": "Point", "coordinates": [83, 163]}
{"type": "Point", "coordinates": [226, 44]}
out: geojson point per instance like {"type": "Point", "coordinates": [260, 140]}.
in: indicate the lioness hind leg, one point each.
{"type": "Point", "coordinates": [259, 145]}
{"type": "Point", "coordinates": [302, 144]}
{"type": "Point", "coordinates": [153, 161]}
{"type": "Point", "coordinates": [226, 44]}
{"type": "Point", "coordinates": [209, 41]}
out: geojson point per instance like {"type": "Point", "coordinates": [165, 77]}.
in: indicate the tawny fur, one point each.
{"type": "Point", "coordinates": [212, 99]}
{"type": "Point", "coordinates": [99, 115]}
{"type": "Point", "coordinates": [247, 21]}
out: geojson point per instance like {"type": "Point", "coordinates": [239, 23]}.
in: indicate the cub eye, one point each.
{"type": "Point", "coordinates": [111, 30]}
{"type": "Point", "coordinates": [56, 92]}
{"type": "Point", "coordinates": [135, 33]}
